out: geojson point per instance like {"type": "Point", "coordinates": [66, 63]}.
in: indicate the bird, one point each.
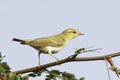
{"type": "Point", "coordinates": [51, 44]}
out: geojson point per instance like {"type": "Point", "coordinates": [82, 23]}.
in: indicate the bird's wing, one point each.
{"type": "Point", "coordinates": [54, 41]}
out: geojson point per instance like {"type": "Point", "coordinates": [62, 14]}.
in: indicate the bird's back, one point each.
{"type": "Point", "coordinates": [56, 40]}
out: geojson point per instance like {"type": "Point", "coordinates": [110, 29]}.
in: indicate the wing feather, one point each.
{"type": "Point", "coordinates": [54, 41]}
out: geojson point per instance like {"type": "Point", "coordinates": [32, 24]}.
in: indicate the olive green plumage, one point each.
{"type": "Point", "coordinates": [51, 44]}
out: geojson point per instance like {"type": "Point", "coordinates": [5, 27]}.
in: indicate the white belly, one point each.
{"type": "Point", "coordinates": [50, 49]}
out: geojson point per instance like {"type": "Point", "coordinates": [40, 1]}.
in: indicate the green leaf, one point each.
{"type": "Point", "coordinates": [118, 71]}
{"type": "Point", "coordinates": [82, 78]}
{"type": "Point", "coordinates": [1, 57]}
{"type": "Point", "coordinates": [68, 76]}
{"type": "Point", "coordinates": [32, 75]}
{"type": "Point", "coordinates": [47, 79]}
{"type": "Point", "coordinates": [113, 68]}
{"type": "Point", "coordinates": [14, 76]}
{"type": "Point", "coordinates": [6, 67]}
{"type": "Point", "coordinates": [25, 77]}
{"type": "Point", "coordinates": [53, 74]}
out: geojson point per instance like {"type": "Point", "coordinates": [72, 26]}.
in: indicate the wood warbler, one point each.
{"type": "Point", "coordinates": [51, 44]}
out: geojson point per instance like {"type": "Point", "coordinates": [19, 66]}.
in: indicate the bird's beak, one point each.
{"type": "Point", "coordinates": [82, 34]}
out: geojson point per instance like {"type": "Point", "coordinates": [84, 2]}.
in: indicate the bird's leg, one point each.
{"type": "Point", "coordinates": [57, 61]}
{"type": "Point", "coordinates": [39, 59]}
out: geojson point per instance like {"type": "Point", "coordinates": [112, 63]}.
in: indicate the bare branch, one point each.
{"type": "Point", "coordinates": [67, 60]}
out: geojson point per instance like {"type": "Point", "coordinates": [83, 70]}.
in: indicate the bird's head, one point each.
{"type": "Point", "coordinates": [71, 33]}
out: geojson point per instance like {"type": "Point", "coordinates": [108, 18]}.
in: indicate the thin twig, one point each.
{"type": "Point", "coordinates": [107, 69]}
{"type": "Point", "coordinates": [83, 50]}
{"type": "Point", "coordinates": [109, 59]}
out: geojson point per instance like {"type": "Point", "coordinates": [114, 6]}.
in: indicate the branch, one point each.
{"type": "Point", "coordinates": [67, 60]}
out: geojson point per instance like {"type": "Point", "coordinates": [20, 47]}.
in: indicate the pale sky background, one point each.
{"type": "Point", "coordinates": [99, 20]}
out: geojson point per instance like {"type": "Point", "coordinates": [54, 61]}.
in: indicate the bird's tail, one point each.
{"type": "Point", "coordinates": [21, 40]}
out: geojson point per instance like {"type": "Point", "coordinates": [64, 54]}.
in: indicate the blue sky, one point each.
{"type": "Point", "coordinates": [99, 20]}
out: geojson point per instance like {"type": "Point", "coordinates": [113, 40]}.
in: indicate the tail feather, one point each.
{"type": "Point", "coordinates": [22, 41]}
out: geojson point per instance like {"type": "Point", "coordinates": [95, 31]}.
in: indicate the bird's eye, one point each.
{"type": "Point", "coordinates": [74, 32]}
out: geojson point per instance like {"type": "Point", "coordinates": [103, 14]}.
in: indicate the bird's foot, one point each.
{"type": "Point", "coordinates": [39, 66]}
{"type": "Point", "coordinates": [57, 61]}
